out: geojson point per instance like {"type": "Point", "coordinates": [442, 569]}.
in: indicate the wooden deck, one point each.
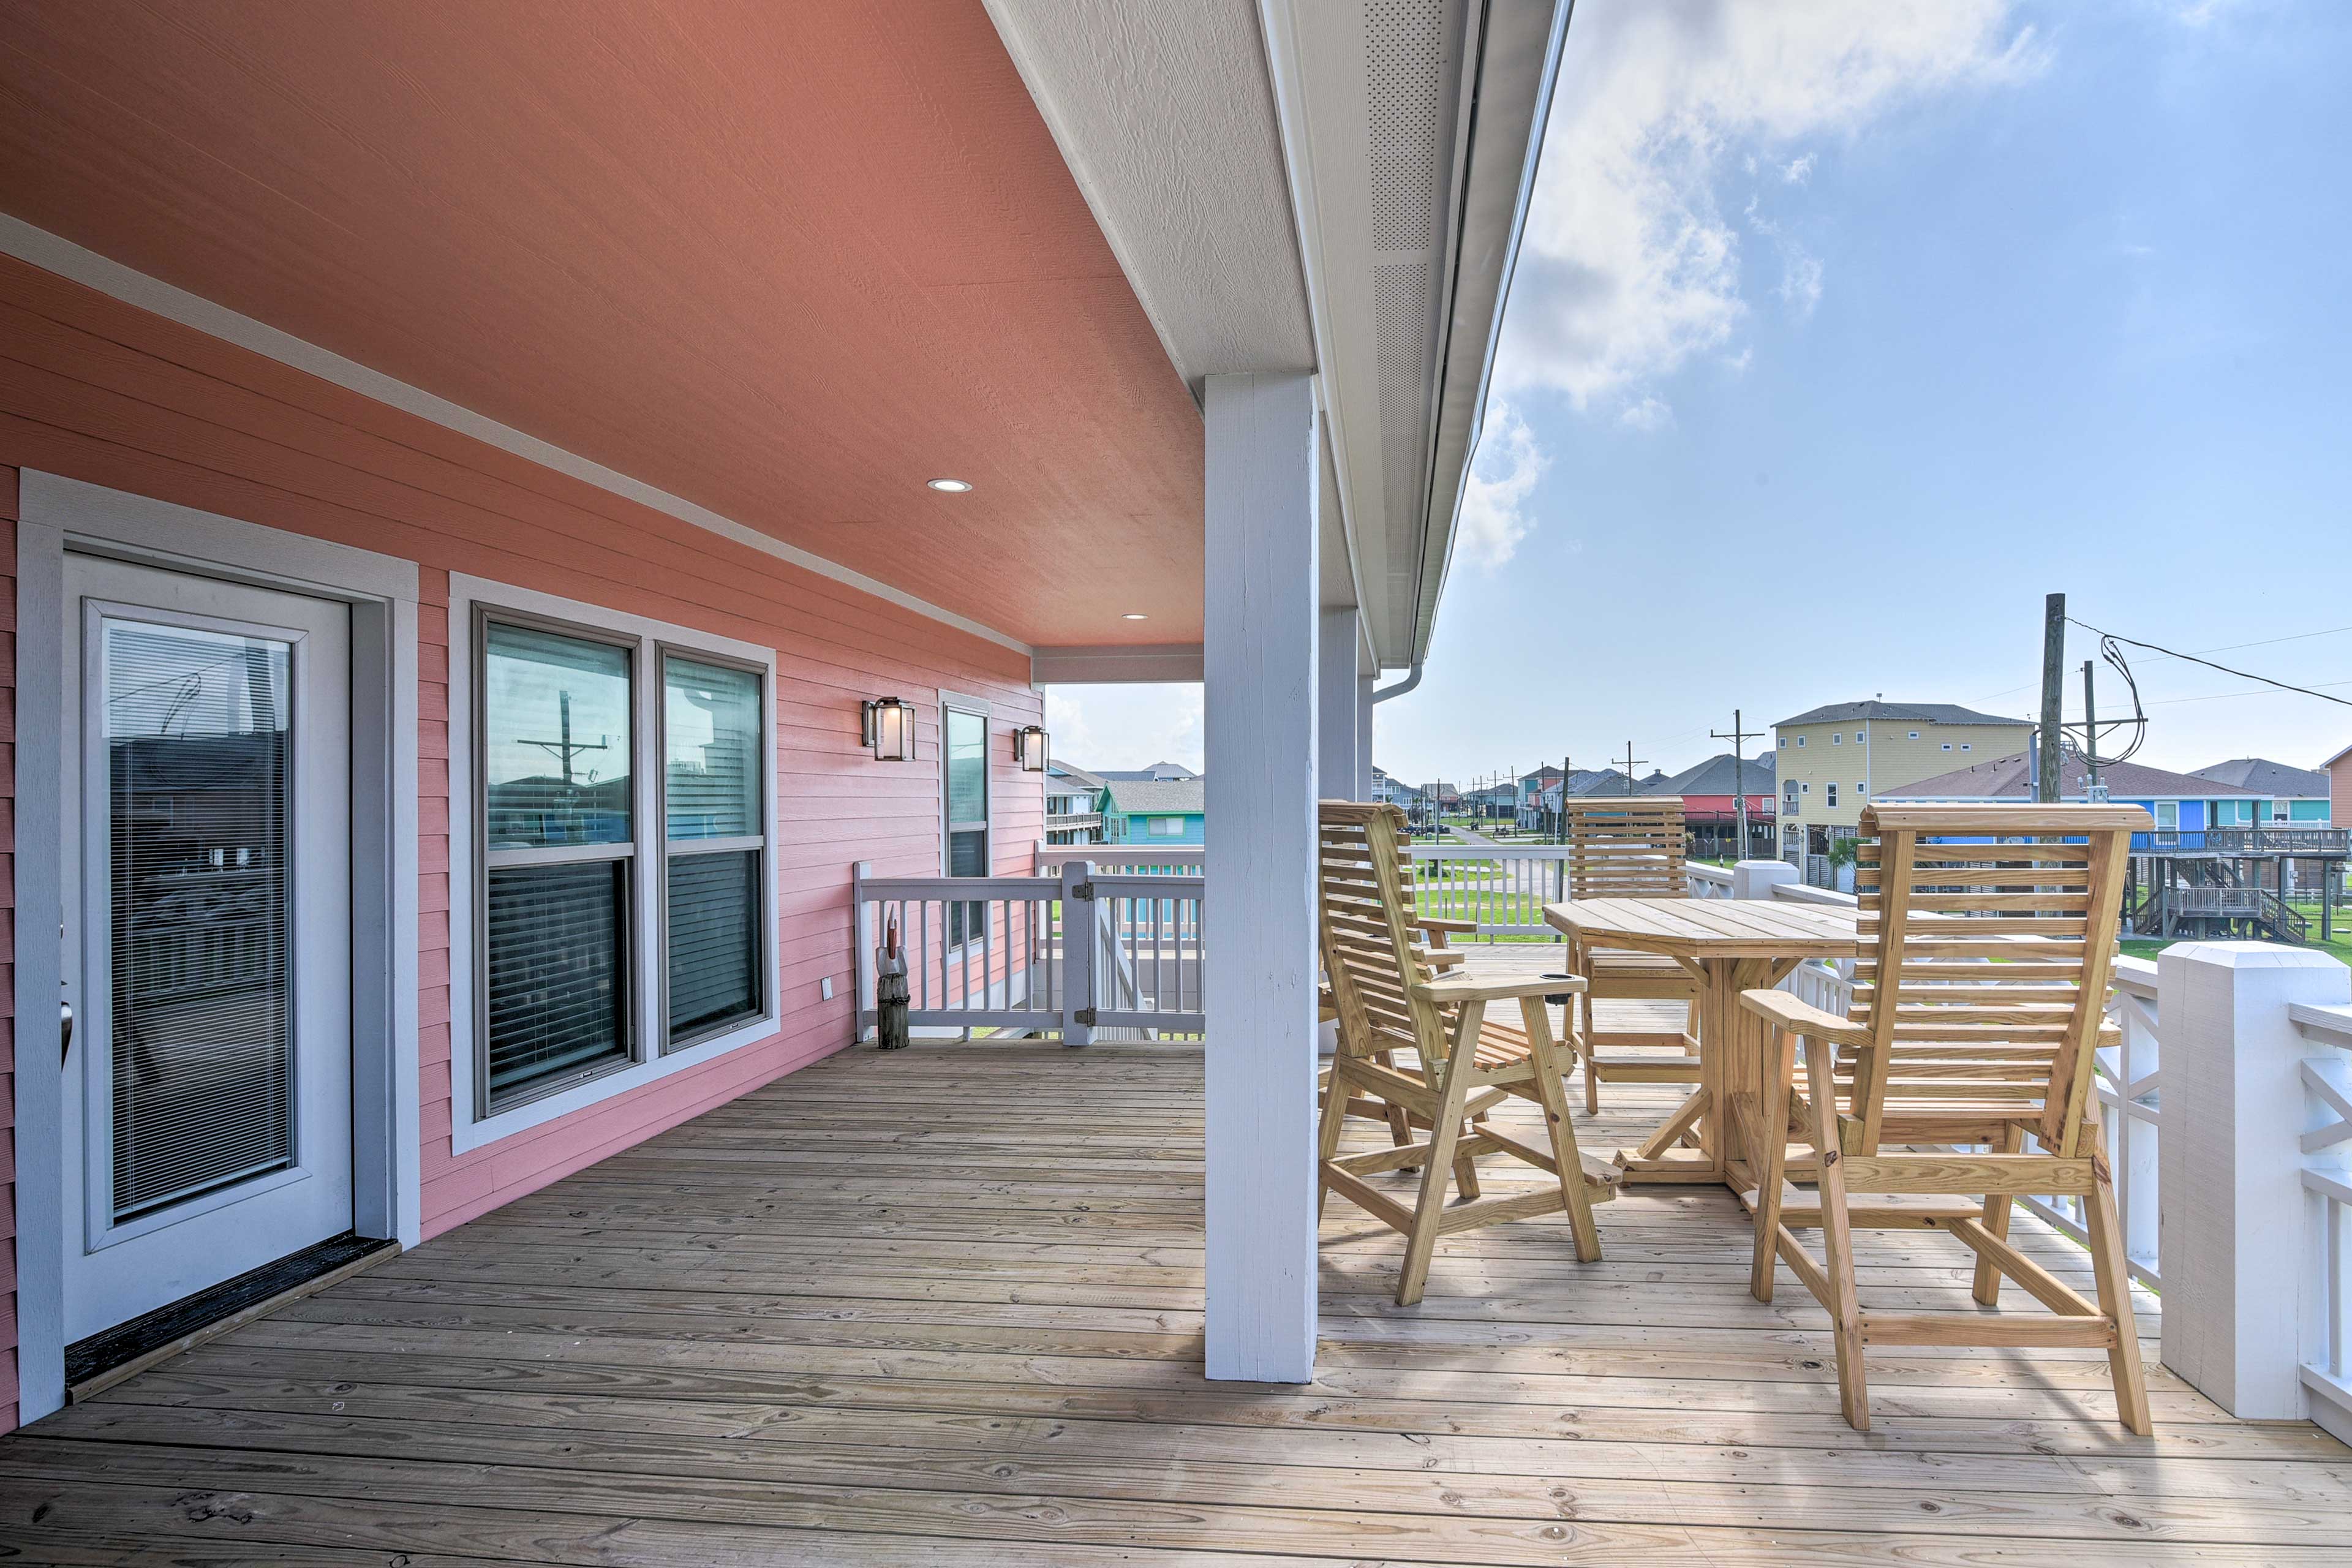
{"type": "Point", "coordinates": [943, 1306]}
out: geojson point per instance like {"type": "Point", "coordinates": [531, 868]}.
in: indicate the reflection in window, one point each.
{"type": "Point", "coordinates": [712, 796]}
{"type": "Point", "coordinates": [555, 739]}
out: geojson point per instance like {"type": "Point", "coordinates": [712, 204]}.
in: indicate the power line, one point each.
{"type": "Point", "coordinates": [2243, 692]}
{"type": "Point", "coordinates": [2192, 659]}
{"type": "Point", "coordinates": [2226, 647]}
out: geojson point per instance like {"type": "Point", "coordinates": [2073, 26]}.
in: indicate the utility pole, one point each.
{"type": "Point", "coordinates": [1739, 739]}
{"type": "Point", "coordinates": [1560, 826]}
{"type": "Point", "coordinates": [2091, 735]}
{"type": "Point", "coordinates": [1630, 765]}
{"type": "Point", "coordinates": [2054, 674]}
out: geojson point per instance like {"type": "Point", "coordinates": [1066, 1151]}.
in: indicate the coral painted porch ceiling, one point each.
{"type": "Point", "coordinates": [784, 261]}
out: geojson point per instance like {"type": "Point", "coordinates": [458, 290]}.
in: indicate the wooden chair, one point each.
{"type": "Point", "coordinates": [1989, 936]}
{"type": "Point", "coordinates": [1629, 847]}
{"type": "Point", "coordinates": [1432, 935]}
{"type": "Point", "coordinates": [1390, 1001]}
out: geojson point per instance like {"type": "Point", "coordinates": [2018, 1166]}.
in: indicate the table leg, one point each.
{"type": "Point", "coordinates": [1658, 1159]}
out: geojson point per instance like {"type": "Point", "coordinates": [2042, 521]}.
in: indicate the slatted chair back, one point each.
{"type": "Point", "coordinates": [1989, 936]}
{"type": "Point", "coordinates": [1365, 903]}
{"type": "Point", "coordinates": [1625, 846]}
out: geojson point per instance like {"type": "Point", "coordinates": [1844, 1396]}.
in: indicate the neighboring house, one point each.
{"type": "Point", "coordinates": [1155, 811]}
{"type": "Point", "coordinates": [1499, 801]}
{"type": "Point", "coordinates": [1072, 804]}
{"type": "Point", "coordinates": [1709, 793]}
{"type": "Point", "coordinates": [1161, 771]}
{"type": "Point", "coordinates": [1390, 790]}
{"type": "Point", "coordinates": [2339, 786]}
{"type": "Point", "coordinates": [2287, 796]}
{"type": "Point", "coordinates": [1831, 761]}
{"type": "Point", "coordinates": [2180, 803]}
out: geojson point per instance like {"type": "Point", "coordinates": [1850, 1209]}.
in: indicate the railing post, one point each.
{"type": "Point", "coordinates": [1756, 879]}
{"type": "Point", "coordinates": [2234, 1246]}
{"type": "Point", "coordinates": [1081, 923]}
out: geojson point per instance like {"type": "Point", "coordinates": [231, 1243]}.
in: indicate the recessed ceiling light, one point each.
{"type": "Point", "coordinates": [952, 487]}
{"type": "Point", "coordinates": [1134, 615]}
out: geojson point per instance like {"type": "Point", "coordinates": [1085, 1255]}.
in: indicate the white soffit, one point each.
{"type": "Point", "coordinates": [1164, 113]}
{"type": "Point", "coordinates": [1410, 128]}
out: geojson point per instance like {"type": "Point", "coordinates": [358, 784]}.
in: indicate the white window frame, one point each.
{"type": "Point", "coordinates": [1165, 828]}
{"type": "Point", "coordinates": [1948, 745]}
{"type": "Point", "coordinates": [1837, 737]}
{"type": "Point", "coordinates": [985, 711]}
{"type": "Point", "coordinates": [1967, 745]}
{"type": "Point", "coordinates": [1914, 734]}
{"type": "Point", "coordinates": [1801, 740]}
{"type": "Point", "coordinates": [1833, 796]}
{"type": "Point", "coordinates": [472, 1124]}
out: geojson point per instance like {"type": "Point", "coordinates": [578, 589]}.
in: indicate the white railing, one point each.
{"type": "Point", "coordinates": [1502, 887]}
{"type": "Point", "coordinates": [1090, 946]}
{"type": "Point", "coordinates": [2129, 1084]}
{"type": "Point", "coordinates": [1707, 881]}
{"type": "Point", "coordinates": [2327, 1090]}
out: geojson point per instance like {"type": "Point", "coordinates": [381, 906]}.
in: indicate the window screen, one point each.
{"type": "Point", "coordinates": [557, 826]}
{"type": "Point", "coordinates": [965, 754]}
{"type": "Point", "coordinates": [712, 804]}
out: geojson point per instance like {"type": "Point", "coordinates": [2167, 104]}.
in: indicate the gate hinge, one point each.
{"type": "Point", "coordinates": [1084, 891]}
{"type": "Point", "coordinates": [1084, 1015]}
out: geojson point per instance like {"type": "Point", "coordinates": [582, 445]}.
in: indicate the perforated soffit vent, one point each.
{"type": "Point", "coordinates": [1405, 66]}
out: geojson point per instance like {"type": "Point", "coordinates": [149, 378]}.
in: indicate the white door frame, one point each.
{"type": "Point", "coordinates": [56, 514]}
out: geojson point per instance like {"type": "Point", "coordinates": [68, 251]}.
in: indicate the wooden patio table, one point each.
{"type": "Point", "coordinates": [1730, 946]}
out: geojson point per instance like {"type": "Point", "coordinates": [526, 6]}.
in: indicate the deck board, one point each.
{"type": "Point", "coordinates": [943, 1306]}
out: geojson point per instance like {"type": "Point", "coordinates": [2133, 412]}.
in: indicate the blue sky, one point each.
{"type": "Point", "coordinates": [1844, 331]}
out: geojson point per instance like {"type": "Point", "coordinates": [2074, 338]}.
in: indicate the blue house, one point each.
{"type": "Point", "coordinates": [2185, 805]}
{"type": "Point", "coordinates": [1155, 811]}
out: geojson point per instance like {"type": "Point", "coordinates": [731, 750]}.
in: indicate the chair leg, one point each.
{"type": "Point", "coordinates": [1997, 1209]}
{"type": "Point", "coordinates": [1466, 1169]}
{"type": "Point", "coordinates": [1837, 1242]}
{"type": "Point", "coordinates": [1400, 1120]}
{"type": "Point", "coordinates": [2112, 1271]}
{"type": "Point", "coordinates": [1772, 1161]}
{"type": "Point", "coordinates": [1446, 1127]}
{"type": "Point", "coordinates": [1327, 1133]}
{"type": "Point", "coordinates": [1585, 1048]}
{"type": "Point", "coordinates": [1552, 1094]}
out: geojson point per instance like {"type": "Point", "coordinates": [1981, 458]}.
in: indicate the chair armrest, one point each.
{"type": "Point", "coordinates": [1436, 927]}
{"type": "Point", "coordinates": [1448, 988]}
{"type": "Point", "coordinates": [1784, 1011]}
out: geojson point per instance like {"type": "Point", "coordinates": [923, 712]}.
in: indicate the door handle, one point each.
{"type": "Point", "coordinates": [65, 1031]}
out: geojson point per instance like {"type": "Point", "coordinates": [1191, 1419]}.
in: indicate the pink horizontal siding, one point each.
{"type": "Point", "coordinates": [99, 391]}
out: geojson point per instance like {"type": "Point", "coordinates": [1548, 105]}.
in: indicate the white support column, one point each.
{"type": "Point", "coordinates": [2234, 1254]}
{"type": "Point", "coordinates": [1259, 624]}
{"type": "Point", "coordinates": [1335, 706]}
{"type": "Point", "coordinates": [1364, 684]}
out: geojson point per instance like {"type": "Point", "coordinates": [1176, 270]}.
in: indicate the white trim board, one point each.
{"type": "Point", "coordinates": [53, 253]}
{"type": "Point", "coordinates": [386, 1153]}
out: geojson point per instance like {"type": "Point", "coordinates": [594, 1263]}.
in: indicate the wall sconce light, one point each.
{"type": "Point", "coordinates": [1029, 748]}
{"type": "Point", "coordinates": [889, 729]}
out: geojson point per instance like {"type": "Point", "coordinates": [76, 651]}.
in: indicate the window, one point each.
{"type": "Point", "coordinates": [1914, 734]}
{"type": "Point", "coordinates": [1858, 738]}
{"type": "Point", "coordinates": [963, 757]}
{"type": "Point", "coordinates": [1965, 745]}
{"type": "Point", "coordinates": [1948, 745]}
{"type": "Point", "coordinates": [559, 859]}
{"type": "Point", "coordinates": [1801, 740]}
{"type": "Point", "coordinates": [1167, 827]}
{"type": "Point", "coordinates": [617, 912]}
{"type": "Point", "coordinates": [1805, 787]}
{"type": "Point", "coordinates": [714, 810]}
{"type": "Point", "coordinates": [1789, 798]}
{"type": "Point", "coordinates": [1784, 743]}
{"type": "Point", "coordinates": [1837, 738]}
{"type": "Point", "coordinates": [1833, 789]}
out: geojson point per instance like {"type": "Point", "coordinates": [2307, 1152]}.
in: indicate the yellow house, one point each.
{"type": "Point", "coordinates": [1833, 761]}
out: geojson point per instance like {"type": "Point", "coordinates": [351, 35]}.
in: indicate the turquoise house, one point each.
{"type": "Point", "coordinates": [1155, 810]}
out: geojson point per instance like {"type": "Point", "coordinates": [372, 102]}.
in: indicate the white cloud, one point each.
{"type": "Point", "coordinates": [1630, 265]}
{"type": "Point", "coordinates": [1650, 414]}
{"type": "Point", "coordinates": [1503, 474]}
{"type": "Point", "coordinates": [1126, 726]}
